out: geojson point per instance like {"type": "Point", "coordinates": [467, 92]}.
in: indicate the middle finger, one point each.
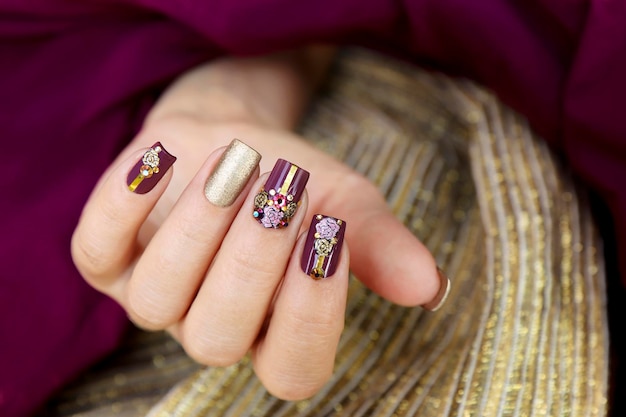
{"type": "Point", "coordinates": [228, 311]}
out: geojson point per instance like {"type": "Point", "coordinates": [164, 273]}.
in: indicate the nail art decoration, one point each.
{"type": "Point", "coordinates": [278, 200]}
{"type": "Point", "coordinates": [323, 246]}
{"type": "Point", "coordinates": [149, 170]}
{"type": "Point", "coordinates": [231, 174]}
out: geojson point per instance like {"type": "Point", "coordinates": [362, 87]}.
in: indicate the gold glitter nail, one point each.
{"type": "Point", "coordinates": [231, 174]}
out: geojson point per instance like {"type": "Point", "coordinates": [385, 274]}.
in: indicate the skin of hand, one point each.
{"type": "Point", "coordinates": [256, 100]}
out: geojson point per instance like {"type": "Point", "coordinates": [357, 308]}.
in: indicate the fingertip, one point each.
{"type": "Point", "coordinates": [150, 169]}
{"type": "Point", "coordinates": [392, 262]}
{"type": "Point", "coordinates": [280, 199]}
{"type": "Point", "coordinates": [323, 246]}
{"type": "Point", "coordinates": [238, 163]}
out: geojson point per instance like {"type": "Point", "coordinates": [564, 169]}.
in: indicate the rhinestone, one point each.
{"type": "Point", "coordinates": [317, 273]}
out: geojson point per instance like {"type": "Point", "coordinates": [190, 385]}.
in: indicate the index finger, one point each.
{"type": "Point", "coordinates": [103, 243]}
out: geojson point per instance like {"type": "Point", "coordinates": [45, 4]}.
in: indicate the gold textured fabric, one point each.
{"type": "Point", "coordinates": [524, 331]}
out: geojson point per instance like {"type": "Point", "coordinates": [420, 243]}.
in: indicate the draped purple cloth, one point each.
{"type": "Point", "coordinates": [77, 78]}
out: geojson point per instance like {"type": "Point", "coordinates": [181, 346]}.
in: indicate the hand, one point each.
{"type": "Point", "coordinates": [154, 262]}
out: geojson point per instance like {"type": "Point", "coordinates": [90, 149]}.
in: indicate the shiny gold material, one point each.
{"type": "Point", "coordinates": [317, 274]}
{"type": "Point", "coordinates": [288, 180]}
{"type": "Point", "coordinates": [318, 271]}
{"type": "Point", "coordinates": [231, 174]}
{"type": "Point", "coordinates": [260, 199]}
{"type": "Point", "coordinates": [290, 209]}
{"type": "Point", "coordinates": [133, 185]}
{"type": "Point", "coordinates": [524, 330]}
{"type": "Point", "coordinates": [444, 290]}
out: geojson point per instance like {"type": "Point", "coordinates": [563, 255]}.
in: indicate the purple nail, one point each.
{"type": "Point", "coordinates": [278, 200]}
{"type": "Point", "coordinates": [149, 170]}
{"type": "Point", "coordinates": [323, 246]}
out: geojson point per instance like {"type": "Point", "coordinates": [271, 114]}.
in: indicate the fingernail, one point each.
{"type": "Point", "coordinates": [278, 200]}
{"type": "Point", "coordinates": [231, 174]}
{"type": "Point", "coordinates": [442, 294]}
{"type": "Point", "coordinates": [323, 246]}
{"type": "Point", "coordinates": [149, 170]}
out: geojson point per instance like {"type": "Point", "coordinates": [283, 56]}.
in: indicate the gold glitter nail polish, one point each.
{"type": "Point", "coordinates": [231, 174]}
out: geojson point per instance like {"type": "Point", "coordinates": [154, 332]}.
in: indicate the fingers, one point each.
{"type": "Point", "coordinates": [390, 260]}
{"type": "Point", "coordinates": [104, 241]}
{"type": "Point", "coordinates": [172, 267]}
{"type": "Point", "coordinates": [386, 256]}
{"type": "Point", "coordinates": [296, 356]}
{"type": "Point", "coordinates": [230, 307]}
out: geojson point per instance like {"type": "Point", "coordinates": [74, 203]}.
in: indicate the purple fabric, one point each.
{"type": "Point", "coordinates": [77, 77]}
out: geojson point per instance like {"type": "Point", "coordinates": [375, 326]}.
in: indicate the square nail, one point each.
{"type": "Point", "coordinates": [279, 199]}
{"type": "Point", "coordinates": [323, 246]}
{"type": "Point", "coordinates": [149, 170]}
{"type": "Point", "coordinates": [231, 174]}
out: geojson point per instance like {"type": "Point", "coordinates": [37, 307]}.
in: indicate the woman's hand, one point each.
{"type": "Point", "coordinates": [221, 281]}
{"type": "Point", "coordinates": [218, 280]}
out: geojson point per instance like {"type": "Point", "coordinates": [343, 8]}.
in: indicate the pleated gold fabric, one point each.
{"type": "Point", "coordinates": [524, 330]}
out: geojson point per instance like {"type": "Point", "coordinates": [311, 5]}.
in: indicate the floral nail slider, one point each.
{"type": "Point", "coordinates": [323, 246]}
{"type": "Point", "coordinates": [278, 200]}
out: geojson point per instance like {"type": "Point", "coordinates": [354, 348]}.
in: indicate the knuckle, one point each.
{"type": "Point", "coordinates": [294, 385]}
{"type": "Point", "coordinates": [254, 273]}
{"type": "Point", "coordinates": [210, 348]}
{"type": "Point", "coordinates": [89, 258]}
{"type": "Point", "coordinates": [323, 324]}
{"type": "Point", "coordinates": [146, 310]}
{"type": "Point", "coordinates": [108, 211]}
{"type": "Point", "coordinates": [188, 231]}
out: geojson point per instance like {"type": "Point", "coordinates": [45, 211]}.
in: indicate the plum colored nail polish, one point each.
{"type": "Point", "coordinates": [149, 170]}
{"type": "Point", "coordinates": [279, 199]}
{"type": "Point", "coordinates": [323, 246]}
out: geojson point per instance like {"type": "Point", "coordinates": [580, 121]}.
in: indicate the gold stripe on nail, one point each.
{"type": "Point", "coordinates": [318, 270]}
{"type": "Point", "coordinates": [288, 179]}
{"type": "Point", "coordinates": [133, 185]}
